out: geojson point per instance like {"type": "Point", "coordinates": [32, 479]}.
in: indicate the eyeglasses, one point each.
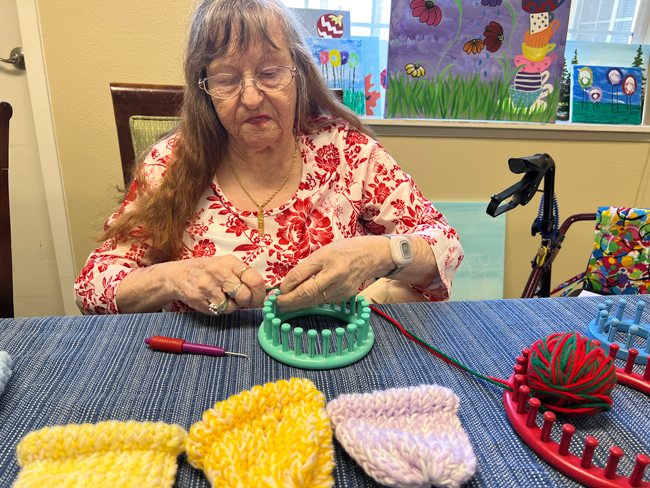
{"type": "Point", "coordinates": [224, 85]}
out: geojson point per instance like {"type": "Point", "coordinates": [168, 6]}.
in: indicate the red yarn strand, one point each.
{"type": "Point", "coordinates": [566, 372]}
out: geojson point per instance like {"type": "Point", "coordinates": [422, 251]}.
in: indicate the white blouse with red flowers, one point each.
{"type": "Point", "coordinates": [350, 187]}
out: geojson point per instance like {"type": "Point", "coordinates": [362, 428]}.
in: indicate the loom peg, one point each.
{"type": "Point", "coordinates": [631, 357]}
{"type": "Point", "coordinates": [533, 407]}
{"type": "Point", "coordinates": [525, 352]}
{"type": "Point", "coordinates": [622, 303]}
{"type": "Point", "coordinates": [549, 420]}
{"type": "Point", "coordinates": [268, 317]}
{"type": "Point", "coordinates": [602, 321]}
{"type": "Point", "coordinates": [275, 332]}
{"type": "Point", "coordinates": [611, 337]}
{"type": "Point", "coordinates": [642, 462]}
{"type": "Point", "coordinates": [352, 329]}
{"type": "Point", "coordinates": [523, 361]}
{"type": "Point", "coordinates": [524, 391]}
{"type": "Point", "coordinates": [615, 454]}
{"type": "Point", "coordinates": [567, 433]}
{"type": "Point", "coordinates": [286, 329]}
{"type": "Point", "coordinates": [639, 311]}
{"type": "Point", "coordinates": [601, 308]}
{"type": "Point", "coordinates": [311, 342]}
{"type": "Point", "coordinates": [297, 341]}
{"type": "Point", "coordinates": [517, 382]}
{"type": "Point", "coordinates": [631, 332]}
{"type": "Point", "coordinates": [326, 342]}
{"type": "Point", "coordinates": [591, 443]}
{"type": "Point", "coordinates": [340, 331]}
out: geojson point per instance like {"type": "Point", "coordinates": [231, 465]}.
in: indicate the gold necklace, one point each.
{"type": "Point", "coordinates": [260, 206]}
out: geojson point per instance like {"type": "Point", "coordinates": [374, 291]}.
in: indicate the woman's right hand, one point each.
{"type": "Point", "coordinates": [199, 282]}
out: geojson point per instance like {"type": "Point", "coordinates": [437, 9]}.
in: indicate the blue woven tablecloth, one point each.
{"type": "Point", "coordinates": [71, 370]}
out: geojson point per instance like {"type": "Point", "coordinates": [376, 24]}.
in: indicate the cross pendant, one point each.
{"type": "Point", "coordinates": [260, 221]}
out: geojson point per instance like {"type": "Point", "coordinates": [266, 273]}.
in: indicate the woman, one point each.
{"type": "Point", "coordinates": [269, 181]}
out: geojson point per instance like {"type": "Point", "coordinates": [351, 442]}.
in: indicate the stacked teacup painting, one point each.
{"type": "Point", "coordinates": [530, 87]}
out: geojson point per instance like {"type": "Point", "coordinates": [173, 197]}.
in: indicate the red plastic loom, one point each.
{"type": "Point", "coordinates": [581, 469]}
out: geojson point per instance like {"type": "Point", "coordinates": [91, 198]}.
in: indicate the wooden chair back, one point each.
{"type": "Point", "coordinates": [131, 99]}
{"type": "Point", "coordinates": [6, 274]}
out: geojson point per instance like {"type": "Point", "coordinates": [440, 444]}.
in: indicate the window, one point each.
{"type": "Point", "coordinates": [616, 21]}
{"type": "Point", "coordinates": [612, 21]}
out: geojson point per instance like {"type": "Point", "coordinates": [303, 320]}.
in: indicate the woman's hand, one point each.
{"type": "Point", "coordinates": [335, 272]}
{"type": "Point", "coordinates": [224, 281]}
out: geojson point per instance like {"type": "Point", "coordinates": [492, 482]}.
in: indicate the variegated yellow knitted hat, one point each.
{"type": "Point", "coordinates": [274, 435]}
{"type": "Point", "coordinates": [107, 454]}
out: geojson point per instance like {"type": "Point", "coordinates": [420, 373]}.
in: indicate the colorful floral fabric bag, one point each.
{"type": "Point", "coordinates": [621, 256]}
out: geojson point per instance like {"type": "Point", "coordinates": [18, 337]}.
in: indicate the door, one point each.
{"type": "Point", "coordinates": [37, 288]}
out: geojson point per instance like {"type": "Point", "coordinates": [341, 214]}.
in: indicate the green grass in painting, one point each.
{"type": "Point", "coordinates": [605, 113]}
{"type": "Point", "coordinates": [463, 96]}
{"type": "Point", "coordinates": [355, 100]}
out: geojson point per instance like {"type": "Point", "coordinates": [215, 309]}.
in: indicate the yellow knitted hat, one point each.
{"type": "Point", "coordinates": [107, 454]}
{"type": "Point", "coordinates": [276, 435]}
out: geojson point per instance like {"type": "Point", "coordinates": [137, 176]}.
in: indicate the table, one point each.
{"type": "Point", "coordinates": [71, 370]}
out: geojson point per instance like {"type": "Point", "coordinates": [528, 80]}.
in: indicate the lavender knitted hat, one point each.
{"type": "Point", "coordinates": [5, 370]}
{"type": "Point", "coordinates": [405, 437]}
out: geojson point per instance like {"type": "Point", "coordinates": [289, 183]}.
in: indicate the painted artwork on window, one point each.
{"type": "Point", "coordinates": [372, 76]}
{"type": "Point", "coordinates": [327, 24]}
{"type": "Point", "coordinates": [600, 54]}
{"type": "Point", "coordinates": [606, 95]}
{"type": "Point", "coordinates": [341, 64]}
{"type": "Point", "coordinates": [478, 60]}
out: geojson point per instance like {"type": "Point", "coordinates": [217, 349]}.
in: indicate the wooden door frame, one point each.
{"type": "Point", "coordinates": [47, 148]}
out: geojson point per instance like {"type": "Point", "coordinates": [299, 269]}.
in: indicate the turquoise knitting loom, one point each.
{"type": "Point", "coordinates": [275, 335]}
{"type": "Point", "coordinates": [604, 328]}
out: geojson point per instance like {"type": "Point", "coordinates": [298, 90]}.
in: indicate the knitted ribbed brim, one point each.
{"type": "Point", "coordinates": [124, 454]}
{"type": "Point", "coordinates": [274, 435]}
{"type": "Point", "coordinates": [407, 438]}
{"type": "Point", "coordinates": [5, 370]}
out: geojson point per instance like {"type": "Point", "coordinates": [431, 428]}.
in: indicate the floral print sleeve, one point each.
{"type": "Point", "coordinates": [392, 204]}
{"type": "Point", "coordinates": [108, 265]}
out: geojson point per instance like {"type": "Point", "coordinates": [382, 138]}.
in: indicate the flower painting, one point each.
{"type": "Point", "coordinates": [428, 12]}
{"type": "Point", "coordinates": [341, 64]}
{"type": "Point", "coordinates": [606, 95]}
{"type": "Point", "coordinates": [477, 59]}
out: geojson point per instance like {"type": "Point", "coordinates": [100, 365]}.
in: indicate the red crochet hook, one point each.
{"type": "Point", "coordinates": [171, 344]}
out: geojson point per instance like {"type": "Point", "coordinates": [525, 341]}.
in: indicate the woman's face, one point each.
{"type": "Point", "coordinates": [256, 119]}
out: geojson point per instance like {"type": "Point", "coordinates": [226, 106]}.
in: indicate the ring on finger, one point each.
{"type": "Point", "coordinates": [214, 308]}
{"type": "Point", "coordinates": [239, 275]}
{"type": "Point", "coordinates": [223, 305]}
{"type": "Point", "coordinates": [324, 296]}
{"type": "Point", "coordinates": [232, 293]}
{"type": "Point", "coordinates": [313, 277]}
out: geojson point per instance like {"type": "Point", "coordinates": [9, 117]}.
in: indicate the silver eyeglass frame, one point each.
{"type": "Point", "coordinates": [242, 82]}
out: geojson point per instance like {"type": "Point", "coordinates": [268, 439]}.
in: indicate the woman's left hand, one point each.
{"type": "Point", "coordinates": [335, 272]}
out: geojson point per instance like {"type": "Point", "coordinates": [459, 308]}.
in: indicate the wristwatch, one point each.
{"type": "Point", "coordinates": [400, 252]}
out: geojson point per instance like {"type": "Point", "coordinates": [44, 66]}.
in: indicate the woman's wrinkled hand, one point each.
{"type": "Point", "coordinates": [335, 272]}
{"type": "Point", "coordinates": [216, 285]}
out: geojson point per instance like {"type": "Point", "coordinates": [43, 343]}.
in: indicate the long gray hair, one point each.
{"type": "Point", "coordinates": [217, 26]}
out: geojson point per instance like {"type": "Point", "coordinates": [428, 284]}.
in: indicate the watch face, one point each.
{"type": "Point", "coordinates": [405, 248]}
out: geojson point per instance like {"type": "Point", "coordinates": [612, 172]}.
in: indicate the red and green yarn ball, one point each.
{"type": "Point", "coordinates": [570, 375]}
